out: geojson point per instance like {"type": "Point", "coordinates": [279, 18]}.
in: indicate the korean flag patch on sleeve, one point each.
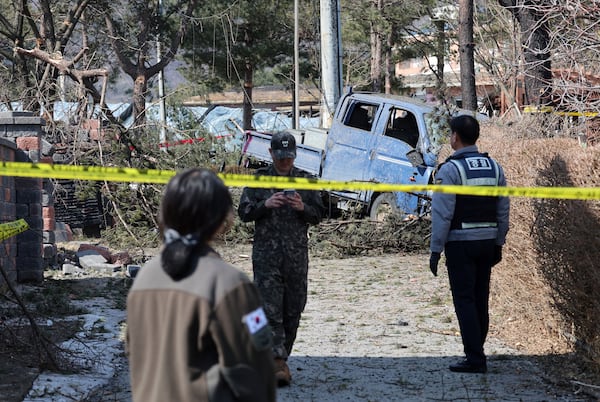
{"type": "Point", "coordinates": [259, 329]}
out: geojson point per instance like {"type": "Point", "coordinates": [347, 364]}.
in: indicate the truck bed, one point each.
{"type": "Point", "coordinates": [308, 157]}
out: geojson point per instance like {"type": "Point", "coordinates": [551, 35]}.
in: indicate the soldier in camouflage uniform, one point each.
{"type": "Point", "coordinates": [280, 249]}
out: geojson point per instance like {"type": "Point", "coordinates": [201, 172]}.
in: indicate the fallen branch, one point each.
{"type": "Point", "coordinates": [435, 331]}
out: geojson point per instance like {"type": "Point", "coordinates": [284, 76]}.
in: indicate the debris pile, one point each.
{"type": "Point", "coordinates": [90, 258]}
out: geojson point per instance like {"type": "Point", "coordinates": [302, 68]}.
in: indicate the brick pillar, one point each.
{"type": "Point", "coordinates": [8, 213]}
{"type": "Point", "coordinates": [25, 129]}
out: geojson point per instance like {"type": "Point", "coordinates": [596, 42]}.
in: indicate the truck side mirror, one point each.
{"type": "Point", "coordinates": [415, 158]}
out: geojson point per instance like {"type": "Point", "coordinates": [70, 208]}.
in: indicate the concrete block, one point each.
{"type": "Point", "coordinates": [48, 237]}
{"type": "Point", "coordinates": [10, 114]}
{"type": "Point", "coordinates": [63, 158]}
{"type": "Point", "coordinates": [88, 259]}
{"type": "Point", "coordinates": [47, 199]}
{"type": "Point", "coordinates": [33, 121]}
{"type": "Point", "coordinates": [47, 148]}
{"type": "Point", "coordinates": [70, 269]}
{"type": "Point", "coordinates": [62, 232]}
{"type": "Point", "coordinates": [48, 251]}
{"type": "Point", "coordinates": [86, 249]}
{"type": "Point", "coordinates": [34, 155]}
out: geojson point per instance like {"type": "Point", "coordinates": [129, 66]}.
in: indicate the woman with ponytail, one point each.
{"type": "Point", "coordinates": [196, 330]}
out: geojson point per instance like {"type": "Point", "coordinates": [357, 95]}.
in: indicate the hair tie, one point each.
{"type": "Point", "coordinates": [172, 235]}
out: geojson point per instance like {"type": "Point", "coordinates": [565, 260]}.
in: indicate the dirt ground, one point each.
{"type": "Point", "coordinates": [376, 328]}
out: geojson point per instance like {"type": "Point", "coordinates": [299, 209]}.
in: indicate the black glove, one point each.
{"type": "Point", "coordinates": [497, 255]}
{"type": "Point", "coordinates": [434, 259]}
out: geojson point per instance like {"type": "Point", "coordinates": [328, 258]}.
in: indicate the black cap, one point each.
{"type": "Point", "coordinates": [283, 145]}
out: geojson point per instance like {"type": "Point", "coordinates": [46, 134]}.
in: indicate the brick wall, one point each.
{"type": "Point", "coordinates": [26, 255]}
{"type": "Point", "coordinates": [8, 247]}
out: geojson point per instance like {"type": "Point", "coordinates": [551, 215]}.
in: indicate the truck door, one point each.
{"type": "Point", "coordinates": [388, 162]}
{"type": "Point", "coordinates": [349, 142]}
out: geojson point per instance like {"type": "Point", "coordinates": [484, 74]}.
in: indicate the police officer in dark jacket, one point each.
{"type": "Point", "coordinates": [280, 248]}
{"type": "Point", "coordinates": [471, 231]}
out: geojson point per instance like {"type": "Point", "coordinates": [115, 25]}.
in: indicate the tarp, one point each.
{"type": "Point", "coordinates": [219, 121]}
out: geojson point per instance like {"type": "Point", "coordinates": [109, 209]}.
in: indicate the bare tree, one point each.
{"type": "Point", "coordinates": [560, 70]}
{"type": "Point", "coordinates": [44, 31]}
{"type": "Point", "coordinates": [133, 29]}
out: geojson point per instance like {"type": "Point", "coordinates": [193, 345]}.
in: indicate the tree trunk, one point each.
{"type": "Point", "coordinates": [140, 87]}
{"type": "Point", "coordinates": [538, 73]}
{"type": "Point", "coordinates": [375, 60]}
{"type": "Point", "coordinates": [441, 51]}
{"type": "Point", "coordinates": [535, 40]}
{"type": "Point", "coordinates": [248, 84]}
{"type": "Point", "coordinates": [376, 51]}
{"type": "Point", "coordinates": [466, 47]}
{"type": "Point", "coordinates": [389, 65]}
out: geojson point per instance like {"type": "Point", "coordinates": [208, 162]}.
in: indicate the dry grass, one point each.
{"type": "Point", "coordinates": [545, 291]}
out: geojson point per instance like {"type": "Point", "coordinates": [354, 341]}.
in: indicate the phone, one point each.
{"type": "Point", "coordinates": [289, 192]}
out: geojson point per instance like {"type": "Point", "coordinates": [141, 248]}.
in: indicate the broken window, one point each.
{"type": "Point", "coordinates": [362, 116]}
{"type": "Point", "coordinates": [402, 125]}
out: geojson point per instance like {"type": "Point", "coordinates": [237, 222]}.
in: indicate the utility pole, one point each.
{"type": "Point", "coordinates": [296, 68]}
{"type": "Point", "coordinates": [162, 112]}
{"type": "Point", "coordinates": [331, 59]}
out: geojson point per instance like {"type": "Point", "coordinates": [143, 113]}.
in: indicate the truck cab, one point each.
{"type": "Point", "coordinates": [375, 138]}
{"type": "Point", "coordinates": [381, 139]}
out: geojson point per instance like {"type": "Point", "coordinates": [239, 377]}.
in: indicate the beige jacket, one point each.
{"type": "Point", "coordinates": [204, 338]}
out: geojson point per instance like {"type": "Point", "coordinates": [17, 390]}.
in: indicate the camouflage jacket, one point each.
{"type": "Point", "coordinates": [278, 226]}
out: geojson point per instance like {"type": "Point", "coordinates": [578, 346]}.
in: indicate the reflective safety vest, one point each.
{"type": "Point", "coordinates": [475, 169]}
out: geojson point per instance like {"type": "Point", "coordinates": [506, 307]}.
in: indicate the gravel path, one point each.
{"type": "Point", "coordinates": [383, 329]}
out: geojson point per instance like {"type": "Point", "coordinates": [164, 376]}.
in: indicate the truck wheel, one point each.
{"type": "Point", "coordinates": [383, 206]}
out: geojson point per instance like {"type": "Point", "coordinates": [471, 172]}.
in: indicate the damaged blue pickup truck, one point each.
{"type": "Point", "coordinates": [374, 138]}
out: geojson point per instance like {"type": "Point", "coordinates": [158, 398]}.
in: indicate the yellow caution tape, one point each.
{"type": "Point", "coordinates": [10, 229]}
{"type": "Point", "coordinates": [537, 109]}
{"type": "Point", "coordinates": [132, 175]}
{"type": "Point", "coordinates": [575, 193]}
{"type": "Point", "coordinates": [100, 173]}
{"type": "Point", "coordinates": [550, 109]}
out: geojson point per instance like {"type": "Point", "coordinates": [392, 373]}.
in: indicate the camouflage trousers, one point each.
{"type": "Point", "coordinates": [282, 280]}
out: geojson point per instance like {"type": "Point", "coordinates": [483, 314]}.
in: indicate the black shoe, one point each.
{"type": "Point", "coordinates": [466, 367]}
